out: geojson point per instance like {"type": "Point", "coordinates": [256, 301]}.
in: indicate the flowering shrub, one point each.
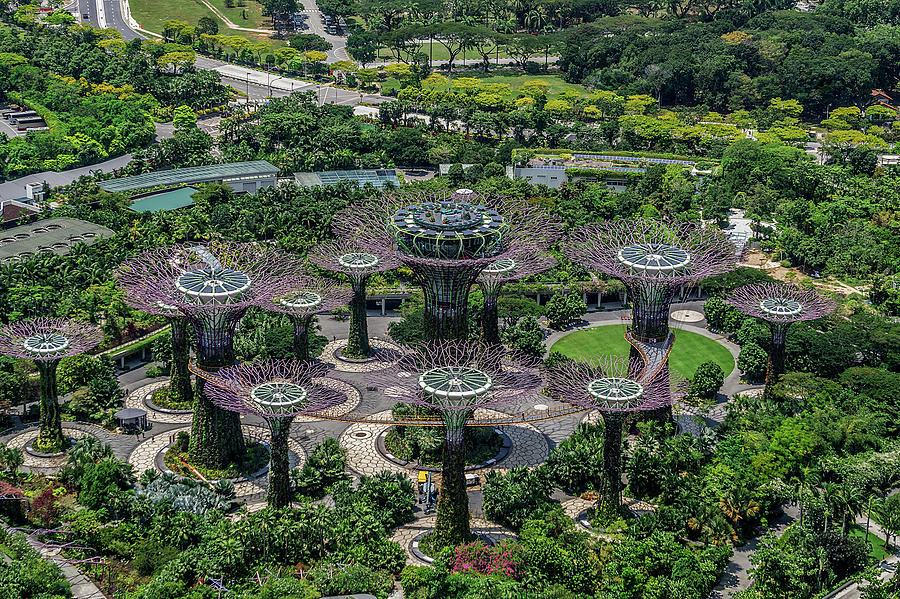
{"type": "Point", "coordinates": [506, 559]}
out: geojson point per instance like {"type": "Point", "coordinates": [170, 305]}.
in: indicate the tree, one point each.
{"type": "Point", "coordinates": [526, 336]}
{"type": "Point", "coordinates": [707, 380]}
{"type": "Point", "coordinates": [564, 308]}
{"type": "Point", "coordinates": [304, 42]}
{"type": "Point", "coordinates": [752, 361]}
{"type": "Point", "coordinates": [176, 60]}
{"type": "Point", "coordinates": [184, 117]}
{"type": "Point", "coordinates": [887, 514]}
{"type": "Point", "coordinates": [208, 26]}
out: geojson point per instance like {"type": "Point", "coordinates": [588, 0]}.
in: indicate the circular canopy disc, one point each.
{"type": "Point", "coordinates": [500, 267]}
{"type": "Point", "coordinates": [46, 345]}
{"type": "Point", "coordinates": [278, 397]}
{"type": "Point", "coordinates": [654, 258]}
{"type": "Point", "coordinates": [213, 285]}
{"type": "Point", "coordinates": [358, 260]}
{"type": "Point", "coordinates": [302, 300]}
{"type": "Point", "coordinates": [455, 383]}
{"type": "Point", "coordinates": [781, 307]}
{"type": "Point", "coordinates": [615, 393]}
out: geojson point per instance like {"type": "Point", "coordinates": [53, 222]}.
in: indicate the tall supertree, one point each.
{"type": "Point", "coordinates": [523, 264]}
{"type": "Point", "coordinates": [455, 378]}
{"type": "Point", "coordinates": [302, 299]}
{"type": "Point", "coordinates": [654, 260]}
{"type": "Point", "coordinates": [212, 284]}
{"type": "Point", "coordinates": [446, 239]}
{"type": "Point", "coordinates": [276, 391]}
{"type": "Point", "coordinates": [358, 264]}
{"type": "Point", "coordinates": [615, 386]}
{"type": "Point", "coordinates": [180, 388]}
{"type": "Point", "coordinates": [779, 304]}
{"type": "Point", "coordinates": [47, 341]}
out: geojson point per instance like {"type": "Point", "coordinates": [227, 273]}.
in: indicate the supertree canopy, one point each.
{"type": "Point", "coordinates": [358, 264]}
{"type": "Point", "coordinates": [615, 386]}
{"type": "Point", "coordinates": [654, 260]}
{"type": "Point", "coordinates": [446, 239]}
{"type": "Point", "coordinates": [455, 378]}
{"type": "Point", "coordinates": [524, 263]}
{"type": "Point", "coordinates": [302, 299]}
{"type": "Point", "coordinates": [47, 341]}
{"type": "Point", "coordinates": [276, 391]}
{"type": "Point", "coordinates": [779, 304]}
{"type": "Point", "coordinates": [212, 284]}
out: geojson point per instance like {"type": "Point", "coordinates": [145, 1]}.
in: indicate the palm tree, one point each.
{"type": "Point", "coordinates": [536, 19]}
{"type": "Point", "coordinates": [887, 514]}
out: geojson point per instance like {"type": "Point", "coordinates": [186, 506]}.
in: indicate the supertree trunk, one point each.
{"type": "Point", "coordinates": [50, 439]}
{"type": "Point", "coordinates": [216, 438]}
{"type": "Point", "coordinates": [447, 303]}
{"type": "Point", "coordinates": [650, 311]}
{"type": "Point", "coordinates": [180, 389]}
{"type": "Point", "coordinates": [610, 501]}
{"type": "Point", "coordinates": [490, 319]}
{"type": "Point", "coordinates": [279, 491]}
{"type": "Point", "coordinates": [301, 336]}
{"type": "Point", "coordinates": [358, 341]}
{"type": "Point", "coordinates": [776, 356]}
{"type": "Point", "coordinates": [451, 525]}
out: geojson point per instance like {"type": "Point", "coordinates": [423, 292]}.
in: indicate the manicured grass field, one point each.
{"type": "Point", "coordinates": [151, 14]}
{"type": "Point", "coordinates": [876, 543]}
{"type": "Point", "coordinates": [690, 349]}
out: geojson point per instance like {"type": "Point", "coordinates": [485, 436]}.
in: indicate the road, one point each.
{"type": "Point", "coordinates": [260, 84]}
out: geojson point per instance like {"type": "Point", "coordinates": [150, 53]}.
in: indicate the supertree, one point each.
{"type": "Point", "coordinates": [446, 239]}
{"type": "Point", "coordinates": [524, 263]}
{"type": "Point", "coordinates": [358, 264]}
{"type": "Point", "coordinates": [47, 341]}
{"type": "Point", "coordinates": [180, 388]}
{"type": "Point", "coordinates": [276, 391]}
{"type": "Point", "coordinates": [654, 260]}
{"type": "Point", "coordinates": [615, 386]}
{"type": "Point", "coordinates": [304, 297]}
{"type": "Point", "coordinates": [455, 378]}
{"type": "Point", "coordinates": [779, 304]}
{"type": "Point", "coordinates": [212, 284]}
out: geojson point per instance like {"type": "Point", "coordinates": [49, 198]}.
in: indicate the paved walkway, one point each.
{"type": "Point", "coordinates": [81, 585]}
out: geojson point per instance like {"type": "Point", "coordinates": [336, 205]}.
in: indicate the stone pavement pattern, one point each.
{"type": "Point", "coordinates": [529, 447]}
{"type": "Point", "coordinates": [386, 350]}
{"type": "Point", "coordinates": [136, 399]}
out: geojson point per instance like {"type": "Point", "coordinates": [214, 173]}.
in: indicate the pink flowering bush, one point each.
{"type": "Point", "coordinates": [506, 559]}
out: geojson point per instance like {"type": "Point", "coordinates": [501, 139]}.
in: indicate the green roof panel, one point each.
{"type": "Point", "coordinates": [192, 174]}
{"type": "Point", "coordinates": [168, 200]}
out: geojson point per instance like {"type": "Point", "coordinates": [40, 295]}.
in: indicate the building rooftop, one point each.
{"type": "Point", "coordinates": [192, 174]}
{"type": "Point", "coordinates": [377, 177]}
{"type": "Point", "coordinates": [52, 235]}
{"type": "Point", "coordinates": [167, 200]}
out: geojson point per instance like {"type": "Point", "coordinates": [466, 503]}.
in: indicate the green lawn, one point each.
{"type": "Point", "coordinates": [690, 349]}
{"type": "Point", "coordinates": [151, 14]}
{"type": "Point", "coordinates": [876, 543]}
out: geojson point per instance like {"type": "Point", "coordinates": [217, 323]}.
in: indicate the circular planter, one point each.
{"type": "Point", "coordinates": [161, 466]}
{"type": "Point", "coordinates": [29, 449]}
{"type": "Point", "coordinates": [148, 401]}
{"type": "Point", "coordinates": [414, 545]}
{"type": "Point", "coordinates": [502, 453]}
{"type": "Point", "coordinates": [339, 355]}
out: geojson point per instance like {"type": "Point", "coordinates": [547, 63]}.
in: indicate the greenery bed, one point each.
{"type": "Point", "coordinates": [160, 399]}
{"type": "Point", "coordinates": [413, 444]}
{"type": "Point", "coordinates": [690, 349]}
{"type": "Point", "coordinates": [256, 457]}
